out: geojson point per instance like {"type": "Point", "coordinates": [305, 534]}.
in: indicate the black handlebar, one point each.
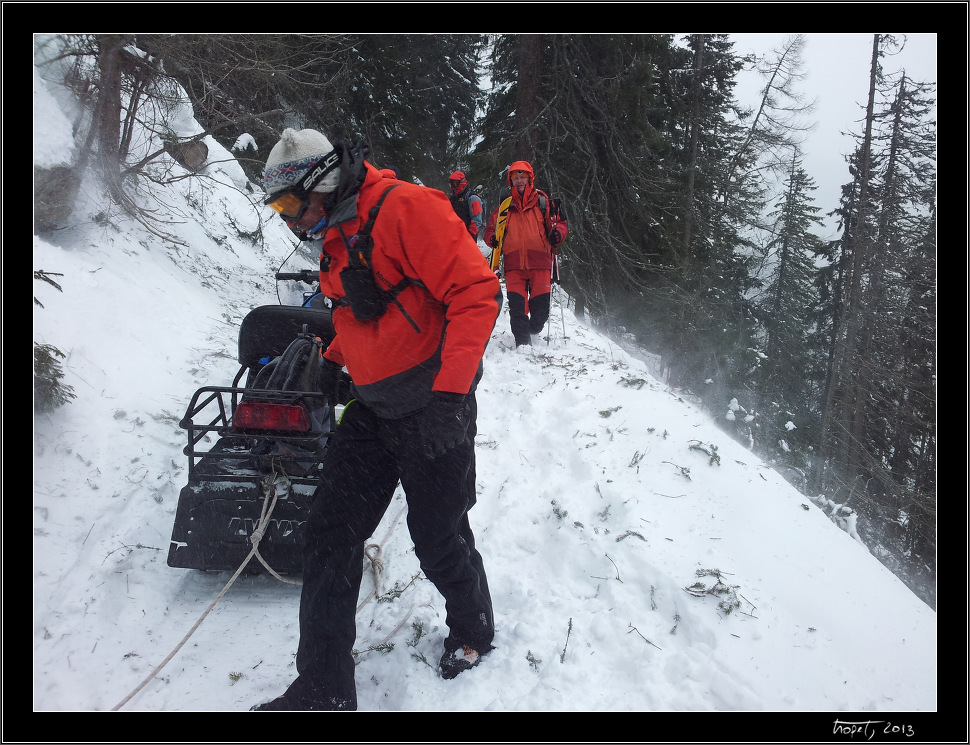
{"type": "Point", "coordinates": [304, 275]}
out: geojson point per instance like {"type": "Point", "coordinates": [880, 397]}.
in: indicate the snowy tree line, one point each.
{"type": "Point", "coordinates": [692, 223]}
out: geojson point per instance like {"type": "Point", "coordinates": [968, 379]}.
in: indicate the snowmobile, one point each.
{"type": "Point", "coordinates": [257, 443]}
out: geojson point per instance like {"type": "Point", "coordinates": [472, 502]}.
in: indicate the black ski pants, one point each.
{"type": "Point", "coordinates": [363, 462]}
{"type": "Point", "coordinates": [528, 293]}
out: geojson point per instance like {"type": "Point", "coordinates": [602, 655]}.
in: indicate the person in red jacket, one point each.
{"type": "Point", "coordinates": [532, 230]}
{"type": "Point", "coordinates": [467, 205]}
{"type": "Point", "coordinates": [413, 417]}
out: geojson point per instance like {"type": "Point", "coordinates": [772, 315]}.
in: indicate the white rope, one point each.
{"type": "Point", "coordinates": [373, 552]}
{"type": "Point", "coordinates": [270, 497]}
{"type": "Point", "coordinates": [269, 502]}
{"type": "Point", "coordinates": [260, 530]}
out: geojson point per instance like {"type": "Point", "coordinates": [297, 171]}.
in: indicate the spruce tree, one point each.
{"type": "Point", "coordinates": [414, 100]}
{"type": "Point", "coordinates": [784, 308]}
{"type": "Point", "coordinates": [878, 415]}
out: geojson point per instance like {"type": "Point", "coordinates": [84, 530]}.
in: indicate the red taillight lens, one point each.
{"type": "Point", "coordinates": [259, 415]}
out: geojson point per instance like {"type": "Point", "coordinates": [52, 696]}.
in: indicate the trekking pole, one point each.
{"type": "Point", "coordinates": [558, 281]}
{"type": "Point", "coordinates": [562, 315]}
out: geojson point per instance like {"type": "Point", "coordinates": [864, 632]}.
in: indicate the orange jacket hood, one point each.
{"type": "Point", "coordinates": [521, 165]}
{"type": "Point", "coordinates": [529, 193]}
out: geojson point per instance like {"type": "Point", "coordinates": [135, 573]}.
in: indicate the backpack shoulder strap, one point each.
{"type": "Point", "coordinates": [359, 256]}
{"type": "Point", "coordinates": [544, 208]}
{"type": "Point", "coordinates": [372, 215]}
{"type": "Point", "coordinates": [360, 250]}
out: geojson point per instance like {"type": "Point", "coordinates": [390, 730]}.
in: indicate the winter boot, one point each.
{"type": "Point", "coordinates": [456, 660]}
{"type": "Point", "coordinates": [304, 696]}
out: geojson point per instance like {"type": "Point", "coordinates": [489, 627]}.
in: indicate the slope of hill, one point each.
{"type": "Point", "coordinates": [638, 558]}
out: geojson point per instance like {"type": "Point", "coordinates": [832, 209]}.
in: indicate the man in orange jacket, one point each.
{"type": "Point", "coordinates": [413, 418]}
{"type": "Point", "coordinates": [533, 229]}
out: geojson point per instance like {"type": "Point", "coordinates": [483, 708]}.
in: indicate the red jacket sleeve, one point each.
{"type": "Point", "coordinates": [333, 352]}
{"type": "Point", "coordinates": [454, 271]}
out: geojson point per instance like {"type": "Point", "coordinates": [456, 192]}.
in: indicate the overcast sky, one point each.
{"type": "Point", "coordinates": [837, 68]}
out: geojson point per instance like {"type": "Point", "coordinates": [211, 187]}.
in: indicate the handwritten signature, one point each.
{"type": "Point", "coordinates": [871, 728]}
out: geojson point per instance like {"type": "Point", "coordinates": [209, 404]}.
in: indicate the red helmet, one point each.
{"type": "Point", "coordinates": [458, 182]}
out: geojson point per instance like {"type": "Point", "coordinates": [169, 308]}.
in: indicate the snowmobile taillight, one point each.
{"type": "Point", "coordinates": [269, 415]}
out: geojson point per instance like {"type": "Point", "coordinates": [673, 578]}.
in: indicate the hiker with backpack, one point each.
{"type": "Point", "coordinates": [525, 231]}
{"type": "Point", "coordinates": [468, 205]}
{"type": "Point", "coordinates": [400, 268]}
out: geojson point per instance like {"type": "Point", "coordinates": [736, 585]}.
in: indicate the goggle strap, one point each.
{"type": "Point", "coordinates": [327, 164]}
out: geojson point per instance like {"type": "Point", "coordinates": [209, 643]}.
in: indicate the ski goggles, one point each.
{"type": "Point", "coordinates": [292, 203]}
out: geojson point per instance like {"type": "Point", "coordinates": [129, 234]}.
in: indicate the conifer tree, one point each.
{"type": "Point", "coordinates": [701, 308]}
{"type": "Point", "coordinates": [414, 100]}
{"type": "Point", "coordinates": [595, 145]}
{"type": "Point", "coordinates": [879, 397]}
{"type": "Point", "coordinates": [787, 300]}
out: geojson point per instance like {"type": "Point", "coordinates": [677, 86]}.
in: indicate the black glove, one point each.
{"type": "Point", "coordinates": [554, 237]}
{"type": "Point", "coordinates": [442, 424]}
{"type": "Point", "coordinates": [493, 242]}
{"type": "Point", "coordinates": [330, 380]}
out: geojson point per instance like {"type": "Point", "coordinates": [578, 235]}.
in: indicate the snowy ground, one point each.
{"type": "Point", "coordinates": [603, 498]}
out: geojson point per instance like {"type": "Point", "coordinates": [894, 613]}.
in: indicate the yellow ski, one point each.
{"type": "Point", "coordinates": [503, 216]}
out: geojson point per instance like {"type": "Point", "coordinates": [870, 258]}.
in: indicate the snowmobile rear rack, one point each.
{"type": "Point", "coordinates": [235, 446]}
{"type": "Point", "coordinates": [219, 508]}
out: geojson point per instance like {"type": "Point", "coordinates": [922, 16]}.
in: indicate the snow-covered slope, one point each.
{"type": "Point", "coordinates": [608, 509]}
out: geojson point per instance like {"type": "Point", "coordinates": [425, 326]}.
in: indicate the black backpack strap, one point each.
{"type": "Point", "coordinates": [372, 299]}
{"type": "Point", "coordinates": [359, 253]}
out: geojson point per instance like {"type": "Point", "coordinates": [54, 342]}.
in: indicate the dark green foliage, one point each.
{"type": "Point", "coordinates": [49, 391]}
{"type": "Point", "coordinates": [414, 100]}
{"type": "Point", "coordinates": [788, 298]}
{"type": "Point", "coordinates": [728, 597]}
{"type": "Point", "coordinates": [877, 435]}
{"type": "Point", "coordinates": [47, 277]}
{"type": "Point", "coordinates": [496, 127]}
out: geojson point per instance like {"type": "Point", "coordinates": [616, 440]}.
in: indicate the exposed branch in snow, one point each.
{"type": "Point", "coordinates": [634, 628]}
{"type": "Point", "coordinates": [562, 657]}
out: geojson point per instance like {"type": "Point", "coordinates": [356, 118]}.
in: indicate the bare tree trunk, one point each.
{"type": "Point", "coordinates": [845, 331]}
{"type": "Point", "coordinates": [527, 95]}
{"type": "Point", "coordinates": [696, 87]}
{"type": "Point", "coordinates": [108, 122]}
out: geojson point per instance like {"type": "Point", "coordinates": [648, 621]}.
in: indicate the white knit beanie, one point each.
{"type": "Point", "coordinates": [293, 156]}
